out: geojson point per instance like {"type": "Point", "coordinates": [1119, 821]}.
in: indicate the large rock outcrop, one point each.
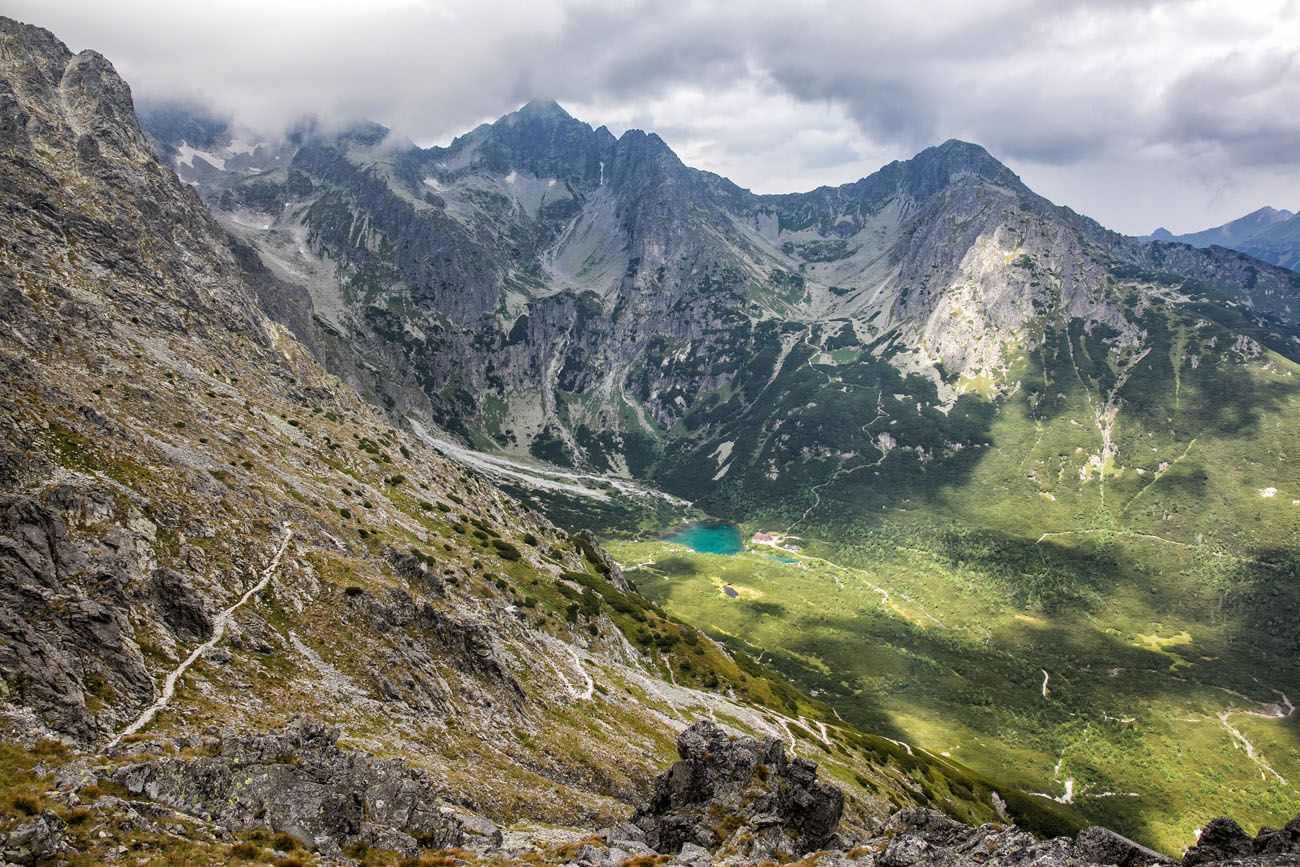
{"type": "Point", "coordinates": [298, 781]}
{"type": "Point", "coordinates": [1223, 840]}
{"type": "Point", "coordinates": [65, 631]}
{"type": "Point", "coordinates": [738, 795]}
{"type": "Point", "coordinates": [912, 838]}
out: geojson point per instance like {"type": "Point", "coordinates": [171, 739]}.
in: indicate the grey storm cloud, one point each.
{"type": "Point", "coordinates": [1173, 111]}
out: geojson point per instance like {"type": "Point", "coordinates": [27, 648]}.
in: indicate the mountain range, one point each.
{"type": "Point", "coordinates": [545, 289]}
{"type": "Point", "coordinates": [1060, 437]}
{"type": "Point", "coordinates": [251, 610]}
{"type": "Point", "coordinates": [1268, 234]}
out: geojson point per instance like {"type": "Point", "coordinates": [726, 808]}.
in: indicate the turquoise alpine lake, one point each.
{"type": "Point", "coordinates": [709, 537]}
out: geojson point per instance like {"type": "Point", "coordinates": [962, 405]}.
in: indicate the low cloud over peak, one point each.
{"type": "Point", "coordinates": [1173, 112]}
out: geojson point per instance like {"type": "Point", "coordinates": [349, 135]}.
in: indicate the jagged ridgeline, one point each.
{"type": "Point", "coordinates": [241, 613]}
{"type": "Point", "coordinates": [1267, 234]}
{"type": "Point", "coordinates": [547, 289]}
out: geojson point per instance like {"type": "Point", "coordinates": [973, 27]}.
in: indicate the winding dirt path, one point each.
{"type": "Point", "coordinates": [218, 630]}
{"type": "Point", "coordinates": [1281, 710]}
{"type": "Point", "coordinates": [560, 647]}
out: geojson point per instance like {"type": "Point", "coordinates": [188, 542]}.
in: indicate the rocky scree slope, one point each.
{"type": "Point", "coordinates": [368, 652]}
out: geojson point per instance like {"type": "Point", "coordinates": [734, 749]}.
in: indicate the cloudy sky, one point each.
{"type": "Point", "coordinates": [1182, 113]}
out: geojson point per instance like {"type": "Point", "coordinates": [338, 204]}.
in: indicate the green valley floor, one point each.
{"type": "Point", "coordinates": [1147, 706]}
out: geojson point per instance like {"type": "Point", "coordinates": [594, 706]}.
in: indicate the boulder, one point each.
{"type": "Point", "coordinates": [738, 796]}
{"type": "Point", "coordinates": [1221, 840]}
{"type": "Point", "coordinates": [40, 838]}
{"type": "Point", "coordinates": [1104, 846]}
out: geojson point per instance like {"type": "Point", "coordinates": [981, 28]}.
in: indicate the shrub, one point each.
{"type": "Point", "coordinates": [245, 851]}
{"type": "Point", "coordinates": [28, 805]}
{"type": "Point", "coordinates": [284, 842]}
{"type": "Point", "coordinates": [505, 550]}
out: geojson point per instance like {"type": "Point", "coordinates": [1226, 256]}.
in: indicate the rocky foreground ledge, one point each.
{"type": "Point", "coordinates": [295, 797]}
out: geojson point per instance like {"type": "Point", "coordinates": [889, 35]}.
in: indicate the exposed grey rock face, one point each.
{"type": "Point", "coordinates": [1106, 847]}
{"type": "Point", "coordinates": [37, 840]}
{"type": "Point", "coordinates": [299, 781]}
{"type": "Point", "coordinates": [740, 796]}
{"type": "Point", "coordinates": [180, 606]}
{"type": "Point", "coordinates": [64, 618]}
{"type": "Point", "coordinates": [924, 837]}
{"type": "Point", "coordinates": [1223, 840]}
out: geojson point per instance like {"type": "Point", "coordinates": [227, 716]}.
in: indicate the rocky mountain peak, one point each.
{"type": "Point", "coordinates": [365, 133]}
{"type": "Point", "coordinates": [936, 168]}
{"type": "Point", "coordinates": [644, 159]}
{"type": "Point", "coordinates": [44, 55]}
{"type": "Point", "coordinates": [540, 139]}
{"type": "Point", "coordinates": [97, 104]}
{"type": "Point", "coordinates": [541, 109]}
{"type": "Point", "coordinates": [604, 135]}
{"type": "Point", "coordinates": [1270, 234]}
{"type": "Point", "coordinates": [1271, 214]}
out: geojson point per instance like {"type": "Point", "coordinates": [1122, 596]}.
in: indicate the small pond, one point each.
{"type": "Point", "coordinates": [709, 537]}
